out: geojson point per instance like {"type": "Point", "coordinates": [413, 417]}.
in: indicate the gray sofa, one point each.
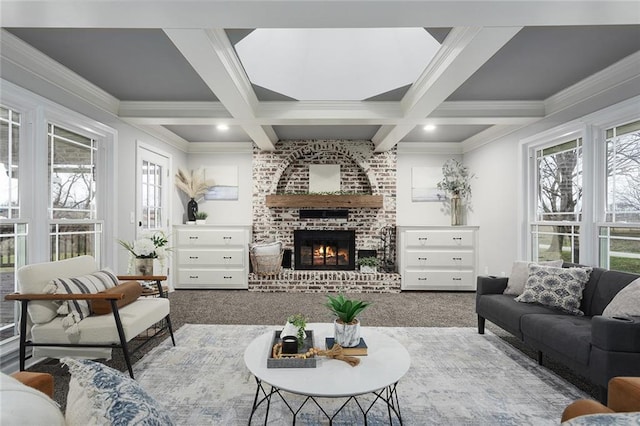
{"type": "Point", "coordinates": [594, 346]}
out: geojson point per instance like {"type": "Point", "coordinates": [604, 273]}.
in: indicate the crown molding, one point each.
{"type": "Point", "coordinates": [618, 73]}
{"type": "Point", "coordinates": [489, 135]}
{"type": "Point", "coordinates": [219, 147]}
{"type": "Point", "coordinates": [39, 65]}
{"type": "Point", "coordinates": [161, 133]}
{"type": "Point", "coordinates": [454, 148]}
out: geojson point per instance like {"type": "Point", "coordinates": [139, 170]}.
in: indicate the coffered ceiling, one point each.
{"type": "Point", "coordinates": [179, 69]}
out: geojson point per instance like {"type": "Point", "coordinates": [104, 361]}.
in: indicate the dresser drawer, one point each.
{"type": "Point", "coordinates": [211, 237]}
{"type": "Point", "coordinates": [211, 257]}
{"type": "Point", "coordinates": [202, 278]}
{"type": "Point", "coordinates": [425, 258]}
{"type": "Point", "coordinates": [438, 280]}
{"type": "Point", "coordinates": [439, 238]}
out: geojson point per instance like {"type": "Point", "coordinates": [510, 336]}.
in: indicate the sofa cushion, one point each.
{"type": "Point", "coordinates": [520, 274]}
{"type": "Point", "coordinates": [567, 334]}
{"type": "Point", "coordinates": [101, 395]}
{"type": "Point", "coordinates": [131, 290]}
{"type": "Point", "coordinates": [504, 311]}
{"type": "Point", "coordinates": [556, 287]}
{"type": "Point", "coordinates": [24, 405]}
{"type": "Point", "coordinates": [626, 303]}
{"type": "Point", "coordinates": [34, 278]}
{"type": "Point", "coordinates": [77, 310]}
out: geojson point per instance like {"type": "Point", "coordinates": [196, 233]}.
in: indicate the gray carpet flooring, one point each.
{"type": "Point", "coordinates": [406, 309]}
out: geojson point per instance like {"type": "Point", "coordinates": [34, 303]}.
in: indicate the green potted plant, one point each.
{"type": "Point", "coordinates": [295, 326]}
{"type": "Point", "coordinates": [368, 264]}
{"type": "Point", "coordinates": [201, 218]}
{"type": "Point", "coordinates": [346, 326]}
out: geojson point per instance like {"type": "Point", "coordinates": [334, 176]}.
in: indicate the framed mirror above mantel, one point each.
{"type": "Point", "coordinates": [323, 200]}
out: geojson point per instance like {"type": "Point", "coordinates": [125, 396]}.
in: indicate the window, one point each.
{"type": "Point", "coordinates": [72, 204]}
{"type": "Point", "coordinates": [9, 156]}
{"type": "Point", "coordinates": [620, 234]}
{"type": "Point", "coordinates": [556, 230]}
{"type": "Point", "coordinates": [13, 232]}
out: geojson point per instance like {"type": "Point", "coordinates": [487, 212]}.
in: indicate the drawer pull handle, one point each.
{"type": "Point", "coordinates": [193, 257]}
{"type": "Point", "coordinates": [226, 238]}
{"type": "Point", "coordinates": [194, 277]}
{"type": "Point", "coordinates": [422, 258]}
{"type": "Point", "coordinates": [422, 238]}
{"type": "Point", "coordinates": [193, 238]}
{"type": "Point", "coordinates": [457, 238]}
{"type": "Point", "coordinates": [456, 258]}
{"type": "Point", "coordinates": [457, 279]}
{"type": "Point", "coordinates": [226, 257]}
{"type": "Point", "coordinates": [227, 278]}
{"type": "Point", "coordinates": [422, 279]}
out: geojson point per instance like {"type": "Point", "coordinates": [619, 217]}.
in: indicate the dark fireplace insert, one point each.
{"type": "Point", "coordinates": [326, 249]}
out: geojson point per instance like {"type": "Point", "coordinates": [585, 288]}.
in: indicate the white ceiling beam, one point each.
{"type": "Point", "coordinates": [211, 56]}
{"type": "Point", "coordinates": [313, 13]}
{"type": "Point", "coordinates": [462, 53]}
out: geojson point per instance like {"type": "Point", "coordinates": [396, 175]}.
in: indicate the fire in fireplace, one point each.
{"type": "Point", "coordinates": [327, 249]}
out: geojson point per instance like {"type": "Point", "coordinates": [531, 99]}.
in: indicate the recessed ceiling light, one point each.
{"type": "Point", "coordinates": [222, 127]}
{"type": "Point", "coordinates": [429, 127]}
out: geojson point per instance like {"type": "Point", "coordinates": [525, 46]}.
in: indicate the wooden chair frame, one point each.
{"type": "Point", "coordinates": [113, 298]}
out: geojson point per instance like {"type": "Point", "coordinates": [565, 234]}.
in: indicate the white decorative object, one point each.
{"type": "Point", "coordinates": [201, 221]}
{"type": "Point", "coordinates": [368, 269]}
{"type": "Point", "coordinates": [224, 183]}
{"type": "Point", "coordinates": [423, 184]}
{"type": "Point", "coordinates": [290, 330]}
{"type": "Point", "coordinates": [324, 178]}
{"type": "Point", "coordinates": [346, 335]}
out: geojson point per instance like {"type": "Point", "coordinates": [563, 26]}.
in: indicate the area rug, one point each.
{"type": "Point", "coordinates": [457, 377]}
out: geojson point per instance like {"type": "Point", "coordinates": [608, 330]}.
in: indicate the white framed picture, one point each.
{"type": "Point", "coordinates": [225, 183]}
{"type": "Point", "coordinates": [324, 178]}
{"type": "Point", "coordinates": [423, 184]}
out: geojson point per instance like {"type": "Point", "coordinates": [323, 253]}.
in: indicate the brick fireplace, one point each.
{"type": "Point", "coordinates": [362, 171]}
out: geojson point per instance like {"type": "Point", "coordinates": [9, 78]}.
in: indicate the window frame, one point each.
{"type": "Point", "coordinates": [591, 128]}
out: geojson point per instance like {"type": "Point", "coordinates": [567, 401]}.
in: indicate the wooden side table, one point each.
{"type": "Point", "coordinates": [160, 290]}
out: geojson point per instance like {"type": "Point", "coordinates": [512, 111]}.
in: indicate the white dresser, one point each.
{"type": "Point", "coordinates": [438, 257]}
{"type": "Point", "coordinates": [208, 256]}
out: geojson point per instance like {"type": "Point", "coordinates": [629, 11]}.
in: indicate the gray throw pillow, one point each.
{"type": "Point", "coordinates": [559, 288]}
{"type": "Point", "coordinates": [626, 303]}
{"type": "Point", "coordinates": [520, 273]}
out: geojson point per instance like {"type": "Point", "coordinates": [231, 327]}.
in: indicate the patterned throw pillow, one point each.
{"type": "Point", "coordinates": [76, 310]}
{"type": "Point", "coordinates": [626, 303]}
{"type": "Point", "coordinates": [556, 287]}
{"type": "Point", "coordinates": [520, 273]}
{"type": "Point", "coordinates": [99, 395]}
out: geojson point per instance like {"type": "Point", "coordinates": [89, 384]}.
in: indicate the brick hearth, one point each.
{"type": "Point", "coordinates": [326, 282]}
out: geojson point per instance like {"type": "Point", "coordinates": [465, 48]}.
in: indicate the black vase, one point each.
{"type": "Point", "coordinates": [192, 209]}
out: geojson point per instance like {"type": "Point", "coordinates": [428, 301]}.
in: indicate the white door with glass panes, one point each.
{"type": "Point", "coordinates": [152, 196]}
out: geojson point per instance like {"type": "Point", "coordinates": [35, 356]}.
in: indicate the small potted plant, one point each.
{"type": "Point", "coordinates": [201, 218]}
{"type": "Point", "coordinates": [295, 326]}
{"type": "Point", "coordinates": [346, 326]}
{"type": "Point", "coordinates": [368, 264]}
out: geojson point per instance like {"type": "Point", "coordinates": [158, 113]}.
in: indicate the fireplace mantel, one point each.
{"type": "Point", "coordinates": [317, 200]}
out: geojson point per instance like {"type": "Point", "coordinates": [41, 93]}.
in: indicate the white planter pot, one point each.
{"type": "Point", "coordinates": [201, 221]}
{"type": "Point", "coordinates": [369, 269]}
{"type": "Point", "coordinates": [346, 335]}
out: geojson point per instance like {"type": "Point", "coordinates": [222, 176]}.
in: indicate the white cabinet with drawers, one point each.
{"type": "Point", "coordinates": [438, 258]}
{"type": "Point", "coordinates": [211, 256]}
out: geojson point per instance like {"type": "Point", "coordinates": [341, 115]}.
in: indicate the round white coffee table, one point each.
{"type": "Point", "coordinates": [378, 373]}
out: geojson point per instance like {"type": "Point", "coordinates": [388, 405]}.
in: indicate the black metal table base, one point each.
{"type": "Point", "coordinates": [388, 395]}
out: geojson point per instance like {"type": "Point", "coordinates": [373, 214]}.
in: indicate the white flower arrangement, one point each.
{"type": "Point", "coordinates": [456, 179]}
{"type": "Point", "coordinates": [152, 245]}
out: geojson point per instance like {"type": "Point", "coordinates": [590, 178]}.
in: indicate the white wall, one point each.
{"type": "Point", "coordinates": [224, 212]}
{"type": "Point", "coordinates": [409, 213]}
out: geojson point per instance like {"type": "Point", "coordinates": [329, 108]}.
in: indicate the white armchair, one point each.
{"type": "Point", "coordinates": [43, 328]}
